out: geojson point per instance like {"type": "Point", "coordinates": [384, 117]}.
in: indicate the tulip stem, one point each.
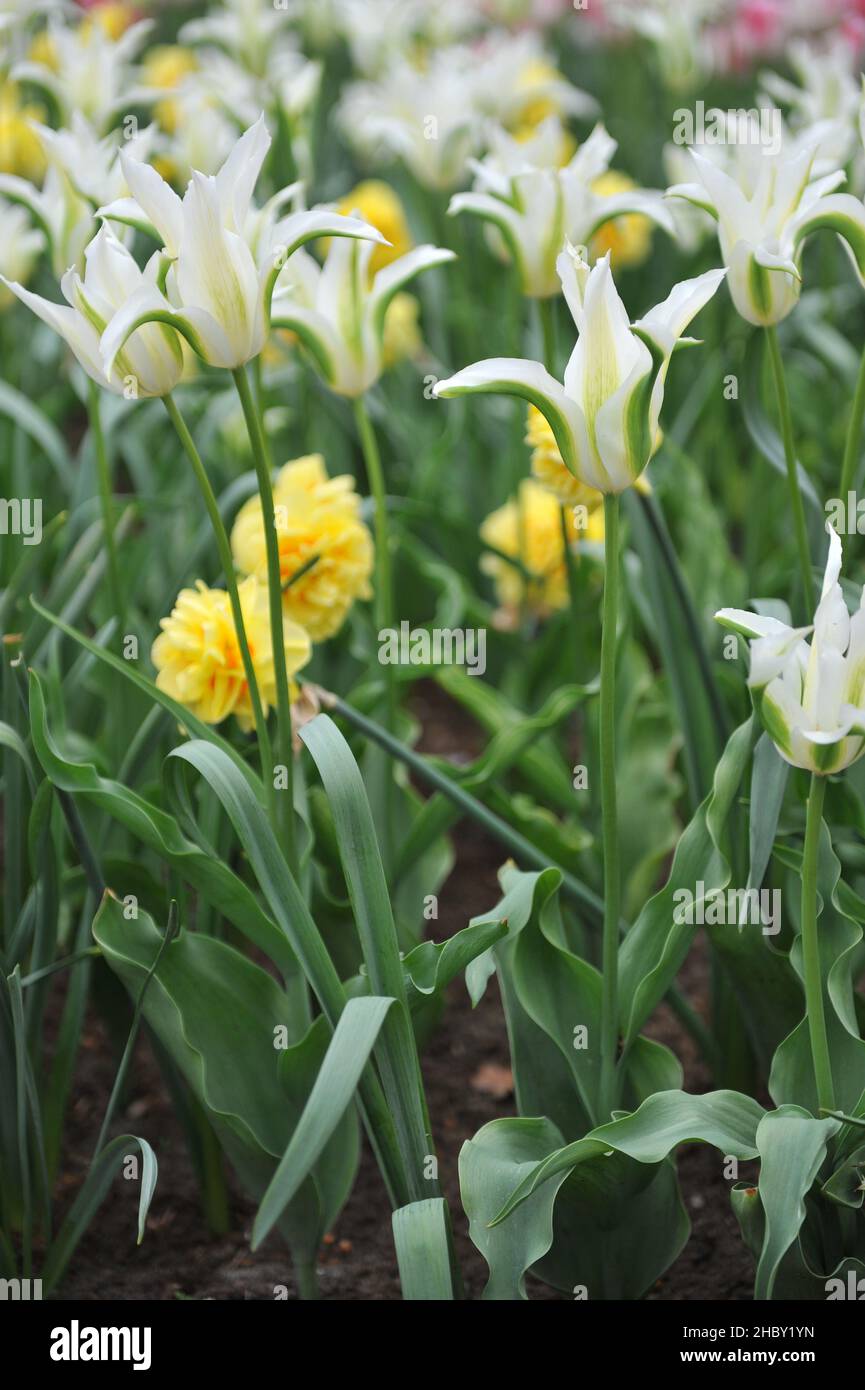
{"type": "Point", "coordinates": [607, 1093]}
{"type": "Point", "coordinates": [384, 598]}
{"type": "Point", "coordinates": [814, 1008]}
{"type": "Point", "coordinates": [103, 475]}
{"type": "Point", "coordinates": [798, 508]}
{"type": "Point", "coordinates": [225, 558]}
{"type": "Point", "coordinates": [285, 753]}
{"type": "Point", "coordinates": [854, 434]}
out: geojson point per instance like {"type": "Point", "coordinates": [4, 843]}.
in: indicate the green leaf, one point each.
{"type": "Point", "coordinates": [353, 1039]}
{"type": "Point", "coordinates": [725, 1119]}
{"type": "Point", "coordinates": [160, 832]}
{"type": "Point", "coordinates": [292, 915]}
{"type": "Point", "coordinates": [16, 406]}
{"type": "Point", "coordinates": [792, 1147]}
{"type": "Point", "coordinates": [657, 944]}
{"type": "Point", "coordinates": [424, 1252]}
{"type": "Point", "coordinates": [91, 1196]}
{"type": "Point", "coordinates": [491, 1165]}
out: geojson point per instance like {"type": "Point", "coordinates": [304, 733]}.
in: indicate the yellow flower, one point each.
{"type": "Point", "coordinates": [629, 237]}
{"type": "Point", "coordinates": [43, 50]}
{"type": "Point", "coordinates": [530, 529]}
{"type": "Point", "coordinates": [112, 17]}
{"type": "Point", "coordinates": [165, 67]}
{"type": "Point", "coordinates": [197, 655]}
{"type": "Point", "coordinates": [401, 338]}
{"type": "Point", "coordinates": [538, 105]}
{"type": "Point", "coordinates": [317, 519]}
{"type": "Point", "coordinates": [20, 149]}
{"type": "Point", "coordinates": [550, 469]}
{"type": "Point", "coordinates": [375, 201]}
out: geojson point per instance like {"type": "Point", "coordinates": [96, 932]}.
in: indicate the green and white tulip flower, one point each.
{"type": "Point", "coordinates": [152, 359]}
{"type": "Point", "coordinates": [92, 73]}
{"type": "Point", "coordinates": [20, 245]}
{"type": "Point", "coordinates": [534, 206]}
{"type": "Point", "coordinates": [765, 207]}
{"type": "Point", "coordinates": [222, 256]}
{"type": "Point", "coordinates": [810, 697]}
{"type": "Point", "coordinates": [84, 170]}
{"type": "Point", "coordinates": [605, 416]}
{"type": "Point", "coordinates": [338, 315]}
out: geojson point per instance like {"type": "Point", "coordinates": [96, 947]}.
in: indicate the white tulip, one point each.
{"type": "Point", "coordinates": [152, 360]}
{"type": "Point", "coordinates": [91, 73]}
{"type": "Point", "coordinates": [810, 697]}
{"type": "Point", "coordinates": [84, 171]}
{"type": "Point", "coordinates": [225, 255]}
{"type": "Point", "coordinates": [19, 247]}
{"type": "Point", "coordinates": [605, 416]}
{"type": "Point", "coordinates": [338, 315]}
{"type": "Point", "coordinates": [765, 207]}
{"type": "Point", "coordinates": [536, 206]}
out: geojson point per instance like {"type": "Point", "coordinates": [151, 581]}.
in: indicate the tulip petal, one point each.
{"type": "Point", "coordinates": [841, 213]}
{"type": "Point", "coordinates": [391, 278]}
{"type": "Point", "coordinates": [157, 200]}
{"type": "Point", "coordinates": [514, 376]}
{"type": "Point", "coordinates": [749, 624]}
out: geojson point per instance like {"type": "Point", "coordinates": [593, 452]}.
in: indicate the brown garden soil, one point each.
{"type": "Point", "coordinates": [464, 1066]}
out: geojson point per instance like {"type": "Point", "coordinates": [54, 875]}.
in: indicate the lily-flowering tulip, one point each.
{"type": "Point", "coordinates": [83, 171]}
{"type": "Point", "coordinates": [85, 70]}
{"type": "Point", "coordinates": [765, 207]}
{"type": "Point", "coordinates": [810, 697]}
{"type": "Point", "coordinates": [223, 255]}
{"type": "Point", "coordinates": [339, 315]}
{"type": "Point", "coordinates": [534, 205]}
{"type": "Point", "coordinates": [151, 361]}
{"type": "Point", "coordinates": [19, 247]}
{"type": "Point", "coordinates": [605, 415]}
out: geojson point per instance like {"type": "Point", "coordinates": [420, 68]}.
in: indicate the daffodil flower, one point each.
{"type": "Point", "coordinates": [810, 697]}
{"type": "Point", "coordinates": [338, 315]}
{"type": "Point", "coordinates": [152, 359]}
{"type": "Point", "coordinates": [605, 415]}
{"type": "Point", "coordinates": [222, 256]}
{"type": "Point", "coordinates": [535, 206]}
{"type": "Point", "coordinates": [765, 208]}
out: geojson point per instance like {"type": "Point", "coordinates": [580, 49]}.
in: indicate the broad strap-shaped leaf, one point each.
{"type": "Point", "coordinates": [491, 1165]}
{"type": "Point", "coordinates": [350, 1047]}
{"type": "Point", "coordinates": [725, 1119]}
{"type": "Point", "coordinates": [792, 1147]}
{"type": "Point", "coordinates": [424, 1251]}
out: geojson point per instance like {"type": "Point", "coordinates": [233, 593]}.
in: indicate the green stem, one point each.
{"type": "Point", "coordinates": [274, 595]}
{"type": "Point", "coordinates": [103, 475]}
{"type": "Point", "coordinates": [811, 948]}
{"type": "Point", "coordinates": [307, 1278]}
{"type": "Point", "coordinates": [225, 558]}
{"type": "Point", "coordinates": [384, 597]}
{"type": "Point", "coordinates": [609, 820]}
{"type": "Point", "coordinates": [546, 313]}
{"type": "Point", "coordinates": [796, 503]}
{"type": "Point", "coordinates": [854, 434]}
